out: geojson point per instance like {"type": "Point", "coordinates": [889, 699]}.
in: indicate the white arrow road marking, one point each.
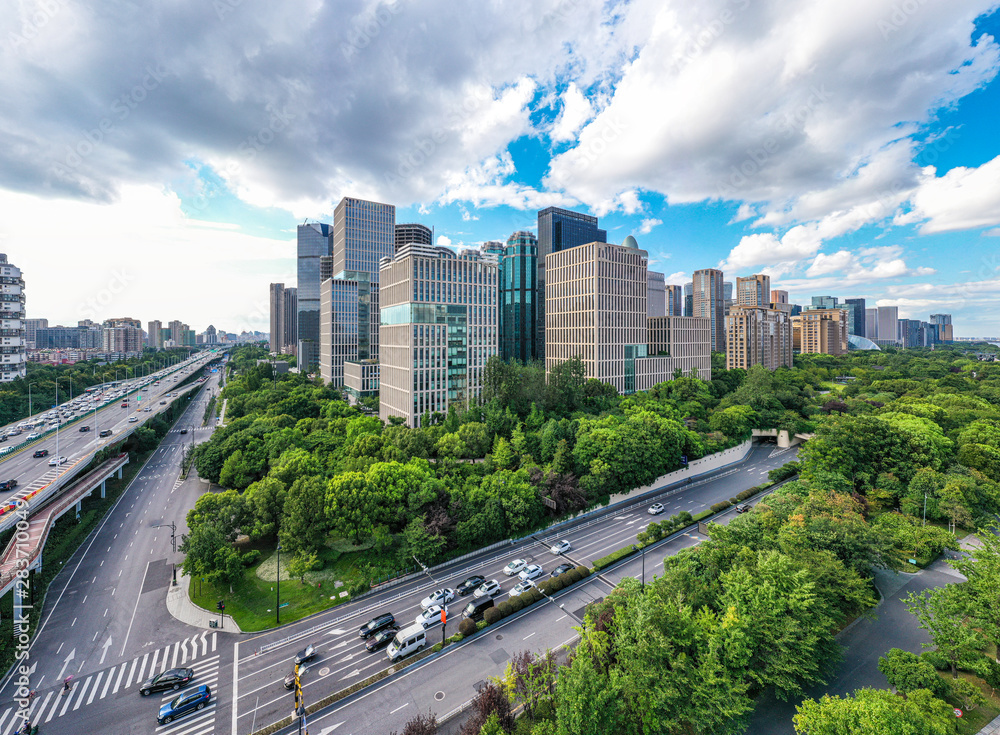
{"type": "Point", "coordinates": [337, 631]}
{"type": "Point", "coordinates": [328, 730]}
{"type": "Point", "coordinates": [353, 673]}
{"type": "Point", "coordinates": [104, 653]}
{"type": "Point", "coordinates": [70, 657]}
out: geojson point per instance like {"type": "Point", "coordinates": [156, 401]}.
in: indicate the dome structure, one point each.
{"type": "Point", "coordinates": [630, 243]}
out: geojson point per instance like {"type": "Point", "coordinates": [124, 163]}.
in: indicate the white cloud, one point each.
{"type": "Point", "coordinates": [576, 111]}
{"type": "Point", "coordinates": [678, 279]}
{"type": "Point", "coordinates": [962, 199]}
{"type": "Point", "coordinates": [648, 224]}
{"type": "Point", "coordinates": [444, 241]}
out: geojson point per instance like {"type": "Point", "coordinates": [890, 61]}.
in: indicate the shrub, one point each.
{"type": "Point", "coordinates": [720, 506]}
{"type": "Point", "coordinates": [572, 577]}
{"type": "Point", "coordinates": [492, 615]}
{"type": "Point", "coordinates": [535, 593]}
{"type": "Point", "coordinates": [789, 469]}
{"type": "Point", "coordinates": [606, 561]}
{"type": "Point", "coordinates": [505, 609]}
{"type": "Point", "coordinates": [480, 625]}
{"type": "Point", "coordinates": [557, 584]}
{"type": "Point", "coordinates": [654, 531]}
{"type": "Point", "coordinates": [745, 494]}
{"type": "Point", "coordinates": [467, 627]}
{"type": "Point", "coordinates": [684, 518]}
{"type": "Point", "coordinates": [936, 659]}
{"type": "Point", "coordinates": [547, 587]}
{"type": "Point", "coordinates": [515, 604]}
{"type": "Point", "coordinates": [526, 599]}
{"type": "Point", "coordinates": [733, 501]}
{"type": "Point", "coordinates": [584, 571]}
{"type": "Point", "coordinates": [437, 647]}
{"type": "Point", "coordinates": [457, 638]}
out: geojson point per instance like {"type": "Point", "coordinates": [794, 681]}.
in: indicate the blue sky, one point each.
{"type": "Point", "coordinates": [845, 148]}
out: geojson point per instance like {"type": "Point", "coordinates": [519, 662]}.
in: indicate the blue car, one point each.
{"type": "Point", "coordinates": [196, 699]}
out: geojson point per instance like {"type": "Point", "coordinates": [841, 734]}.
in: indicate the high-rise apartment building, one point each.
{"type": "Point", "coordinates": [276, 302]}
{"type": "Point", "coordinates": [558, 230]}
{"type": "Point", "coordinates": [154, 334]}
{"type": "Point", "coordinates": [656, 294]}
{"type": "Point", "coordinates": [122, 335]}
{"type": "Point", "coordinates": [944, 327]}
{"type": "Point", "coordinates": [888, 325]}
{"type": "Point", "coordinates": [858, 321]}
{"type": "Point", "coordinates": [756, 335]}
{"type": "Point", "coordinates": [871, 323]}
{"type": "Point", "coordinates": [413, 232]}
{"type": "Point", "coordinates": [438, 329]}
{"type": "Point", "coordinates": [821, 331]}
{"type": "Point", "coordinates": [13, 343]}
{"type": "Point", "coordinates": [518, 298]}
{"type": "Point", "coordinates": [596, 298]}
{"type": "Point", "coordinates": [779, 301]}
{"type": "Point", "coordinates": [709, 301]}
{"type": "Point", "coordinates": [909, 333]}
{"type": "Point", "coordinates": [674, 296]}
{"type": "Point", "coordinates": [754, 290]}
{"type": "Point", "coordinates": [313, 242]}
{"type": "Point", "coordinates": [30, 325]}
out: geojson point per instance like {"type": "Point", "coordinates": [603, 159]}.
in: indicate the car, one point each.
{"type": "Point", "coordinates": [290, 679]}
{"type": "Point", "coordinates": [488, 589]}
{"type": "Point", "coordinates": [561, 569]}
{"type": "Point", "coordinates": [147, 409]}
{"type": "Point", "coordinates": [532, 571]}
{"type": "Point", "coordinates": [163, 403]}
{"type": "Point", "coordinates": [743, 508]}
{"type": "Point", "coordinates": [514, 567]}
{"type": "Point", "coordinates": [32, 436]}
{"type": "Point", "coordinates": [169, 679]}
{"type": "Point", "coordinates": [189, 702]}
{"type": "Point", "coordinates": [105, 432]}
{"type": "Point", "coordinates": [56, 461]}
{"type": "Point", "coordinates": [84, 428]}
{"type": "Point", "coordinates": [379, 622]}
{"type": "Point", "coordinates": [40, 453]}
{"type": "Point", "coordinates": [184, 431]}
{"type": "Point", "coordinates": [560, 547]}
{"type": "Point", "coordinates": [125, 404]}
{"type": "Point", "coordinates": [438, 597]}
{"type": "Point", "coordinates": [3, 437]}
{"type": "Point", "coordinates": [14, 432]}
{"type": "Point", "coordinates": [8, 484]}
{"type": "Point", "coordinates": [133, 419]}
{"type": "Point", "coordinates": [470, 584]}
{"type": "Point", "coordinates": [521, 587]}
{"type": "Point", "coordinates": [306, 654]}
{"type": "Point", "coordinates": [381, 639]}
{"type": "Point", "coordinates": [431, 616]}
{"type": "Point", "coordinates": [655, 509]}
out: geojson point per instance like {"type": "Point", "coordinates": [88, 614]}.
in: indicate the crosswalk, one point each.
{"type": "Point", "coordinates": [197, 652]}
{"type": "Point", "coordinates": [196, 429]}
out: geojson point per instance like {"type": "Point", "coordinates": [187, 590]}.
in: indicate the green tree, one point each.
{"type": "Point", "coordinates": [421, 545]}
{"type": "Point", "coordinates": [981, 568]}
{"type": "Point", "coordinates": [736, 422]}
{"type": "Point", "coordinates": [942, 612]}
{"type": "Point", "coordinates": [907, 672]}
{"type": "Point", "coordinates": [875, 712]}
{"type": "Point", "coordinates": [301, 563]}
{"type": "Point", "coordinates": [266, 502]}
{"type": "Point", "coordinates": [305, 526]}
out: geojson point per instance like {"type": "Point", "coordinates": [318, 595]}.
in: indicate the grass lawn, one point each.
{"type": "Point", "coordinates": [974, 720]}
{"type": "Point", "coordinates": [831, 386]}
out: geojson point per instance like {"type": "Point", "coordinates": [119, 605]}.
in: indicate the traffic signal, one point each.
{"type": "Point", "coordinates": [220, 605]}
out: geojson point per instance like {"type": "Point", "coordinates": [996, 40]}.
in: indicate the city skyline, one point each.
{"type": "Point", "coordinates": [186, 159]}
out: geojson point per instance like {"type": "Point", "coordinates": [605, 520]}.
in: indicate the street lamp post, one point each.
{"type": "Point", "coordinates": [29, 399]}
{"type": "Point", "coordinates": [277, 590]}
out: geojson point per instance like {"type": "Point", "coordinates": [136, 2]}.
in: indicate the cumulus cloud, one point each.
{"type": "Point", "coordinates": [648, 224]}
{"type": "Point", "coordinates": [576, 111]}
{"type": "Point", "coordinates": [964, 198]}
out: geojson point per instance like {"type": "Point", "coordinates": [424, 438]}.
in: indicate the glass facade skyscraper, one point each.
{"type": "Point", "coordinates": [518, 298]}
{"type": "Point", "coordinates": [314, 242]}
{"type": "Point", "coordinates": [558, 230]}
{"type": "Point", "coordinates": [857, 322]}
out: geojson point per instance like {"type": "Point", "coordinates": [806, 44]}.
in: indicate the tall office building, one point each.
{"type": "Point", "coordinates": [753, 290]}
{"type": "Point", "coordinates": [596, 298]}
{"type": "Point", "coordinates": [413, 232]}
{"type": "Point", "coordinates": [122, 335]}
{"type": "Point", "coordinates": [558, 230]}
{"type": "Point", "coordinates": [518, 298]}
{"type": "Point", "coordinates": [13, 347]}
{"type": "Point", "coordinates": [364, 232]}
{"type": "Point", "coordinates": [313, 242]}
{"type": "Point", "coordinates": [290, 317]}
{"type": "Point", "coordinates": [494, 248]}
{"type": "Point", "coordinates": [821, 331]}
{"type": "Point", "coordinates": [944, 327]}
{"type": "Point", "coordinates": [674, 296]}
{"type": "Point", "coordinates": [779, 301]}
{"type": "Point", "coordinates": [858, 320]}
{"type": "Point", "coordinates": [756, 335]}
{"type": "Point", "coordinates": [325, 267]}
{"type": "Point", "coordinates": [689, 299]}
{"type": "Point", "coordinates": [709, 301]}
{"type": "Point", "coordinates": [871, 323]}
{"type": "Point", "coordinates": [276, 301]}
{"type": "Point", "coordinates": [30, 325]}
{"type": "Point", "coordinates": [656, 294]}
{"type": "Point", "coordinates": [909, 333]}
{"type": "Point", "coordinates": [438, 329]}
{"type": "Point", "coordinates": [154, 336]}
{"type": "Point", "coordinates": [888, 325]}
{"type": "Point", "coordinates": [824, 302]}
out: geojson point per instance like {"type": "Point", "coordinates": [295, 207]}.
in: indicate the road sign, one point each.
{"type": "Point", "coordinates": [684, 459]}
{"type": "Point", "coordinates": [958, 712]}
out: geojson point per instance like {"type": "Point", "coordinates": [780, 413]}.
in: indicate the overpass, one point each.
{"type": "Point", "coordinates": [783, 437]}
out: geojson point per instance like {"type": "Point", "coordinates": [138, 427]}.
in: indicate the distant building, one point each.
{"type": "Point", "coordinates": [495, 248]}
{"type": "Point", "coordinates": [518, 298]}
{"type": "Point", "coordinates": [888, 325]}
{"type": "Point", "coordinates": [824, 302]}
{"type": "Point", "coordinates": [154, 335]}
{"type": "Point", "coordinates": [123, 335]}
{"type": "Point", "coordinates": [314, 240]}
{"type": "Point", "coordinates": [413, 232]}
{"type": "Point", "coordinates": [656, 294]}
{"type": "Point", "coordinates": [754, 291]}
{"type": "Point", "coordinates": [871, 324]}
{"type": "Point", "coordinates": [758, 336]}
{"type": "Point", "coordinates": [674, 296]}
{"type": "Point", "coordinates": [709, 301]}
{"type": "Point", "coordinates": [14, 356]}
{"type": "Point", "coordinates": [779, 301]}
{"type": "Point", "coordinates": [944, 327]}
{"type": "Point", "coordinates": [30, 325]}
{"type": "Point", "coordinates": [689, 299]}
{"type": "Point", "coordinates": [858, 321]}
{"type": "Point", "coordinates": [909, 333]}
{"type": "Point", "coordinates": [821, 331]}
{"type": "Point", "coordinates": [276, 302]}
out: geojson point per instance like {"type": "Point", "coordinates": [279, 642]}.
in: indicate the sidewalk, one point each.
{"type": "Point", "coordinates": [180, 606]}
{"type": "Point", "coordinates": [993, 728]}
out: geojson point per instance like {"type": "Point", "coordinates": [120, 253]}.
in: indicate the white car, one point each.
{"type": "Point", "coordinates": [147, 409]}
{"type": "Point", "coordinates": [487, 589]}
{"type": "Point", "coordinates": [133, 419]}
{"type": "Point", "coordinates": [560, 547]}
{"type": "Point", "coordinates": [438, 597]}
{"type": "Point", "coordinates": [430, 617]}
{"type": "Point", "coordinates": [514, 567]}
{"type": "Point", "coordinates": [655, 509]}
{"type": "Point", "coordinates": [532, 571]}
{"type": "Point", "coordinates": [521, 587]}
{"type": "Point", "coordinates": [31, 436]}
{"type": "Point", "coordinates": [56, 461]}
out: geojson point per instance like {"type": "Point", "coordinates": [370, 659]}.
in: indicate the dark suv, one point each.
{"type": "Point", "coordinates": [373, 626]}
{"type": "Point", "coordinates": [105, 432]}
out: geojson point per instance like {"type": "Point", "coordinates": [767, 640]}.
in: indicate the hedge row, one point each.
{"type": "Point", "coordinates": [656, 531]}
{"type": "Point", "coordinates": [606, 561]}
{"type": "Point", "coordinates": [548, 587]}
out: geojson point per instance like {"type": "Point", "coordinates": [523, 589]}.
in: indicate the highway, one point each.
{"type": "Point", "coordinates": [264, 660]}
{"type": "Point", "coordinates": [105, 621]}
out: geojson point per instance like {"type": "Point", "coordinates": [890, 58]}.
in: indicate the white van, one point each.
{"type": "Point", "coordinates": [407, 641]}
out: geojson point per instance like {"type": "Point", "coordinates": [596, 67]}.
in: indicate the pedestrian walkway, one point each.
{"type": "Point", "coordinates": [992, 728]}
{"type": "Point", "coordinates": [179, 605]}
{"type": "Point", "coordinates": [191, 652]}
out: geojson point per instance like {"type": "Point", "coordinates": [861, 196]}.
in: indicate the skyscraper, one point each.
{"type": "Point", "coordinates": [871, 323]}
{"type": "Point", "coordinates": [314, 241]}
{"type": "Point", "coordinates": [290, 316]}
{"type": "Point", "coordinates": [689, 299]}
{"type": "Point", "coordinates": [438, 329]}
{"type": "Point", "coordinates": [909, 332]}
{"type": "Point", "coordinates": [824, 302]}
{"type": "Point", "coordinates": [675, 300]}
{"type": "Point", "coordinates": [412, 232]}
{"type": "Point", "coordinates": [558, 230]}
{"type": "Point", "coordinates": [518, 298]}
{"type": "Point", "coordinates": [944, 327]}
{"type": "Point", "coordinates": [656, 294]}
{"type": "Point", "coordinates": [857, 324]}
{"type": "Point", "coordinates": [753, 290]}
{"type": "Point", "coordinates": [758, 336]}
{"type": "Point", "coordinates": [276, 300]}
{"type": "Point", "coordinates": [154, 336]}
{"type": "Point", "coordinates": [888, 325]}
{"type": "Point", "coordinates": [15, 353]}
{"type": "Point", "coordinates": [709, 301]}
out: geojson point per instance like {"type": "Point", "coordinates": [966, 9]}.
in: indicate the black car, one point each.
{"type": "Point", "coordinates": [561, 569]}
{"type": "Point", "coordinates": [743, 507]}
{"type": "Point", "coordinates": [184, 431]}
{"type": "Point", "coordinates": [169, 679]}
{"type": "Point", "coordinates": [381, 639]}
{"type": "Point", "coordinates": [469, 585]}
{"type": "Point", "coordinates": [84, 428]}
{"type": "Point", "coordinates": [8, 484]}
{"type": "Point", "coordinates": [40, 453]}
{"type": "Point", "coordinates": [306, 654]}
{"type": "Point", "coordinates": [290, 679]}
{"type": "Point", "coordinates": [373, 626]}
{"type": "Point", "coordinates": [105, 432]}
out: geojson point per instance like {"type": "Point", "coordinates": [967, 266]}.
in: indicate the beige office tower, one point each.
{"type": "Point", "coordinates": [596, 309]}
{"type": "Point", "coordinates": [709, 301]}
{"type": "Point", "coordinates": [438, 328]}
{"type": "Point", "coordinates": [753, 290]}
{"type": "Point", "coordinates": [820, 332]}
{"type": "Point", "coordinates": [779, 301]}
{"type": "Point", "coordinates": [758, 336]}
